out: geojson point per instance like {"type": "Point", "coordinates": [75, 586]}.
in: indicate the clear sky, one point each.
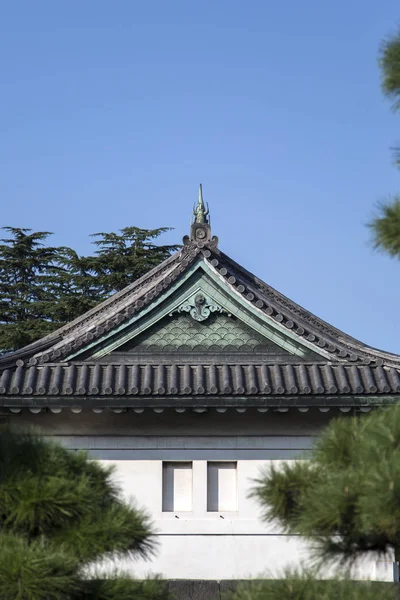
{"type": "Point", "coordinates": [112, 113]}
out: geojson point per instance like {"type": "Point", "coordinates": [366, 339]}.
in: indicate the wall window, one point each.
{"type": "Point", "coordinates": [177, 486]}
{"type": "Point", "coordinates": [221, 486]}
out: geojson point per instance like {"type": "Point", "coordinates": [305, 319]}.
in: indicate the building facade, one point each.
{"type": "Point", "coordinates": [190, 381]}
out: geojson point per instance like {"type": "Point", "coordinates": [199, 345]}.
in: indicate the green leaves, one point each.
{"type": "Point", "coordinates": [346, 500]}
{"type": "Point", "coordinates": [60, 513]}
{"type": "Point", "coordinates": [280, 491]}
{"type": "Point", "coordinates": [28, 272]}
{"type": "Point", "coordinates": [390, 68]}
{"type": "Point", "coordinates": [389, 61]}
{"type": "Point", "coordinates": [43, 287]}
{"type": "Point", "coordinates": [114, 530]}
{"type": "Point", "coordinates": [36, 571]}
{"type": "Point", "coordinates": [385, 227]}
{"type": "Point", "coordinates": [121, 259]}
{"type": "Point", "coordinates": [305, 586]}
{"type": "Point", "coordinates": [122, 587]}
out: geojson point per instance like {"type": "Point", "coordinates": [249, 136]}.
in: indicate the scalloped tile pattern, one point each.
{"type": "Point", "coordinates": [219, 333]}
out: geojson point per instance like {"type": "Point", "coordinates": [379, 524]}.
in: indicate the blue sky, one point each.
{"type": "Point", "coordinates": [112, 113]}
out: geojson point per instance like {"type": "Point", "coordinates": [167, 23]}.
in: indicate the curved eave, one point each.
{"type": "Point", "coordinates": [304, 323]}
{"type": "Point", "coordinates": [119, 308]}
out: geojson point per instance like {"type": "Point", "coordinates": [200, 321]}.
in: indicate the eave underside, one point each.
{"type": "Point", "coordinates": [199, 404]}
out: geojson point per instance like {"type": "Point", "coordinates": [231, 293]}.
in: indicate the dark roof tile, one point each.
{"type": "Point", "coordinates": [94, 379]}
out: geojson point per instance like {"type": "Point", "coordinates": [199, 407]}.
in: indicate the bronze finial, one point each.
{"type": "Point", "coordinates": [200, 212]}
{"type": "Point", "coordinates": [200, 227]}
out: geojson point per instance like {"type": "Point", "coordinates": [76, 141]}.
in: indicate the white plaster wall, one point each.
{"type": "Point", "coordinates": [239, 557]}
{"type": "Point", "coordinates": [201, 544]}
{"type": "Point", "coordinates": [221, 556]}
{"type": "Point", "coordinates": [217, 545]}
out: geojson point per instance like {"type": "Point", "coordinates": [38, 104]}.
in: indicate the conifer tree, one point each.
{"type": "Point", "coordinates": [30, 271]}
{"type": "Point", "coordinates": [79, 290]}
{"type": "Point", "coordinates": [60, 514]}
{"type": "Point", "coordinates": [43, 287]}
{"type": "Point", "coordinates": [390, 66]}
{"type": "Point", "coordinates": [123, 257]}
{"type": "Point", "coordinates": [385, 226]}
{"type": "Point", "coordinates": [346, 499]}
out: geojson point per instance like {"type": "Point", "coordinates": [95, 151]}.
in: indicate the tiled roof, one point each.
{"type": "Point", "coordinates": [202, 381]}
{"type": "Point", "coordinates": [132, 300]}
{"type": "Point", "coordinates": [345, 370]}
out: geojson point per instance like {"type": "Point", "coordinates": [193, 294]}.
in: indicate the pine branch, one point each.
{"type": "Point", "coordinates": [385, 227]}
{"type": "Point", "coordinates": [346, 499]}
{"type": "Point", "coordinates": [59, 513]}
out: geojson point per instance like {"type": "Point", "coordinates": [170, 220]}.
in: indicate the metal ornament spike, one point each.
{"type": "Point", "coordinates": [200, 212]}
{"type": "Point", "coordinates": [200, 226]}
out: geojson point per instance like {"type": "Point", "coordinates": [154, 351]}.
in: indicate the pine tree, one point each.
{"type": "Point", "coordinates": [43, 287]}
{"type": "Point", "coordinates": [385, 227]}
{"type": "Point", "coordinates": [30, 271]}
{"type": "Point", "coordinates": [79, 290]}
{"type": "Point", "coordinates": [60, 514]}
{"type": "Point", "coordinates": [346, 499]}
{"type": "Point", "coordinates": [122, 258]}
{"type": "Point", "coordinates": [390, 67]}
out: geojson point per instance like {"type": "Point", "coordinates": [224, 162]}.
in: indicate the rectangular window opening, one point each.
{"type": "Point", "coordinates": [221, 486]}
{"type": "Point", "coordinates": [177, 487]}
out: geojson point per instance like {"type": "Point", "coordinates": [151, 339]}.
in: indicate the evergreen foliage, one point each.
{"type": "Point", "coordinates": [390, 67]}
{"type": "Point", "coordinates": [346, 498]}
{"type": "Point", "coordinates": [44, 287]}
{"type": "Point", "coordinates": [30, 271]}
{"type": "Point", "coordinates": [304, 586]}
{"type": "Point", "coordinates": [59, 515]}
{"type": "Point", "coordinates": [122, 587]}
{"type": "Point", "coordinates": [385, 226]}
{"type": "Point", "coordinates": [122, 258]}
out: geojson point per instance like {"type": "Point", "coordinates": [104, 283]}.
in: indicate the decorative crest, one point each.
{"type": "Point", "coordinates": [200, 307]}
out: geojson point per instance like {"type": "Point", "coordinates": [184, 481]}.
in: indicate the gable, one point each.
{"type": "Point", "coordinates": [199, 316]}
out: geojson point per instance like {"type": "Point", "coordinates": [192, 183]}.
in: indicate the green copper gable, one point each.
{"type": "Point", "coordinates": [220, 333]}
{"type": "Point", "coordinates": [200, 315]}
